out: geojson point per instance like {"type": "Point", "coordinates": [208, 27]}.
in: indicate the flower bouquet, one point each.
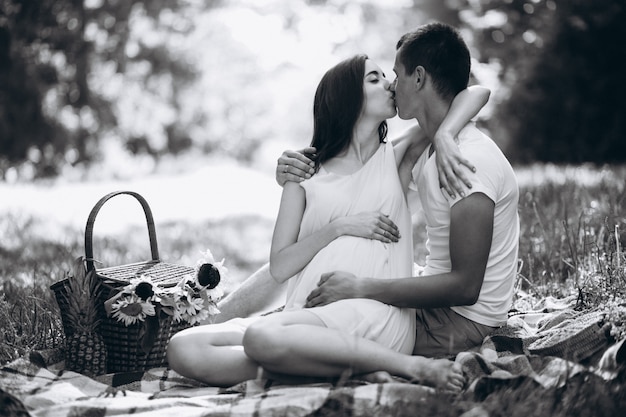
{"type": "Point", "coordinates": [192, 299]}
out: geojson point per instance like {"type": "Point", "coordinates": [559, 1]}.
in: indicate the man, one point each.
{"type": "Point", "coordinates": [466, 288]}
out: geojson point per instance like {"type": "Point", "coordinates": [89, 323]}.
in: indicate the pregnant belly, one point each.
{"type": "Point", "coordinates": [354, 254]}
{"type": "Point", "coordinates": [359, 256]}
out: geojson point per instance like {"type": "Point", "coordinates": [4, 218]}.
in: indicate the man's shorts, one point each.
{"type": "Point", "coordinates": [442, 333]}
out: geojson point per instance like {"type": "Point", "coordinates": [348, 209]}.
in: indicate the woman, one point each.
{"type": "Point", "coordinates": [352, 215]}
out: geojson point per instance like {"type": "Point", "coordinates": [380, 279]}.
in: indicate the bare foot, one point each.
{"type": "Point", "coordinates": [439, 373]}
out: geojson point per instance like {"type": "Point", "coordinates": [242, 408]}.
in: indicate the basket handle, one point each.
{"type": "Point", "coordinates": [92, 218]}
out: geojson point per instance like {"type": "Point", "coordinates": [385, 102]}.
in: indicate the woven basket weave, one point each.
{"type": "Point", "coordinates": [124, 353]}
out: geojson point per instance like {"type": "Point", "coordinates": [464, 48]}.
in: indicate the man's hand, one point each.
{"type": "Point", "coordinates": [295, 166]}
{"type": "Point", "coordinates": [333, 286]}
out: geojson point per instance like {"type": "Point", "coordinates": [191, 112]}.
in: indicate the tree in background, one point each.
{"type": "Point", "coordinates": [119, 84]}
{"type": "Point", "coordinates": [31, 36]}
{"type": "Point", "coordinates": [53, 112]}
{"type": "Point", "coordinates": [562, 66]}
{"type": "Point", "coordinates": [134, 81]}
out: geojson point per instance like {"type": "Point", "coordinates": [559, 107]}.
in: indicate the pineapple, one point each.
{"type": "Point", "coordinates": [85, 351]}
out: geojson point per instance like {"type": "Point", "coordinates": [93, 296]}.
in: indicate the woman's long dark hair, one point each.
{"type": "Point", "coordinates": [337, 106]}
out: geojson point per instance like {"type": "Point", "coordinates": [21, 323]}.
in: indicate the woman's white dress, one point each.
{"type": "Point", "coordinates": [375, 187]}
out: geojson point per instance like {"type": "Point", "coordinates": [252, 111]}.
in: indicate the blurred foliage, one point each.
{"type": "Point", "coordinates": [95, 83]}
{"type": "Point", "coordinates": [562, 64]}
{"type": "Point", "coordinates": [54, 57]}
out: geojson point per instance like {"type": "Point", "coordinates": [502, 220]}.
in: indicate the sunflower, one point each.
{"type": "Point", "coordinates": [193, 299]}
{"type": "Point", "coordinates": [209, 273]}
{"type": "Point", "coordinates": [143, 287]}
{"type": "Point", "coordinates": [130, 309]}
{"type": "Point", "coordinates": [208, 276]}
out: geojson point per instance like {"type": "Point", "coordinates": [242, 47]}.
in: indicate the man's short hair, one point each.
{"type": "Point", "coordinates": [441, 50]}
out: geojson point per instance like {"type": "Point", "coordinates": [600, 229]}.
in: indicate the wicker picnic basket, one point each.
{"type": "Point", "coordinates": [124, 352]}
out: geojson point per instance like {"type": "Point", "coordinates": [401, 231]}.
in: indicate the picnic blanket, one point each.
{"type": "Point", "coordinates": [547, 347]}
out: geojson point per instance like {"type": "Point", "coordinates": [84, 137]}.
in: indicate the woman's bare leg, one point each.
{"type": "Point", "coordinates": [297, 342]}
{"type": "Point", "coordinates": [212, 354]}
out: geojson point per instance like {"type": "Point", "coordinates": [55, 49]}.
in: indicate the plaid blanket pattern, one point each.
{"type": "Point", "coordinates": [515, 352]}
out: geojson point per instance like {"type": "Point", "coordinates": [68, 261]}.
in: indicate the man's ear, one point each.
{"type": "Point", "coordinates": [419, 77]}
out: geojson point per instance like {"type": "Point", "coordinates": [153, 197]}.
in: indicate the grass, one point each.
{"type": "Point", "coordinates": [572, 237]}
{"type": "Point", "coordinates": [30, 263]}
{"type": "Point", "coordinates": [571, 243]}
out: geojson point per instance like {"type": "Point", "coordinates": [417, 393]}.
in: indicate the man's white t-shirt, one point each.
{"type": "Point", "coordinates": [495, 178]}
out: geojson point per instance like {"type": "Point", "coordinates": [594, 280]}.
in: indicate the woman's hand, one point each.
{"type": "Point", "coordinates": [449, 162]}
{"type": "Point", "coordinates": [464, 107]}
{"type": "Point", "coordinates": [370, 225]}
{"type": "Point", "coordinates": [295, 166]}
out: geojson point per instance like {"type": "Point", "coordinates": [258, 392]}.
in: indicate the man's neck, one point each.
{"type": "Point", "coordinates": [431, 115]}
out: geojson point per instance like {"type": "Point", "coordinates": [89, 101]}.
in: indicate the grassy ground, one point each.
{"type": "Point", "coordinates": [572, 236]}
{"type": "Point", "coordinates": [30, 263]}
{"type": "Point", "coordinates": [573, 226]}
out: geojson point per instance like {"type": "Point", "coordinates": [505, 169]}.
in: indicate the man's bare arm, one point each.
{"type": "Point", "coordinates": [260, 293]}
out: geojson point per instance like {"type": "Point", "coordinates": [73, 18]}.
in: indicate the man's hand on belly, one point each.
{"type": "Point", "coordinates": [333, 286]}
